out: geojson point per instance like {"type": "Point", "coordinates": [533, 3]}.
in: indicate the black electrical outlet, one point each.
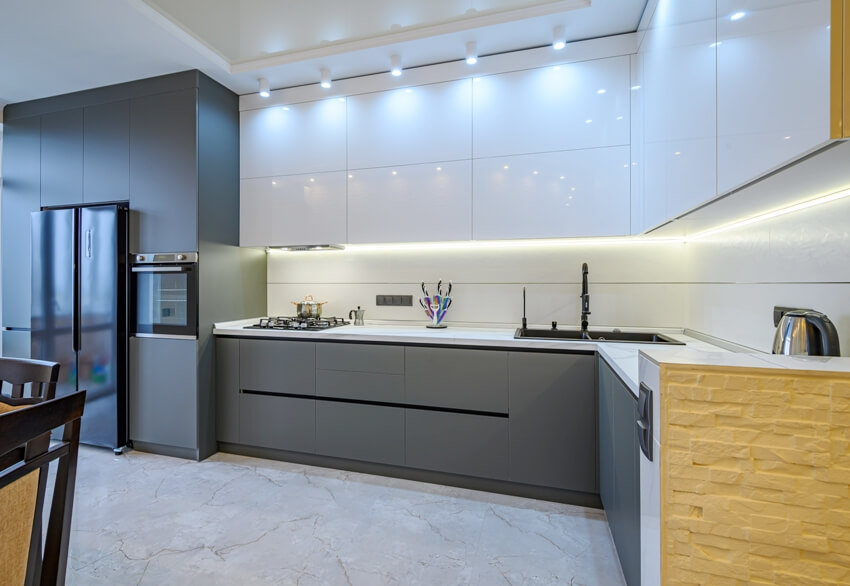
{"type": "Point", "coordinates": [402, 300]}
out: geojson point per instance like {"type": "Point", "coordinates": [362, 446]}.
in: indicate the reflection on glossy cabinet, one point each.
{"type": "Point", "coordinates": [410, 125]}
{"type": "Point", "coordinates": [552, 195]}
{"type": "Point", "coordinates": [292, 139]}
{"type": "Point", "coordinates": [772, 85]}
{"type": "Point", "coordinates": [675, 89]}
{"type": "Point", "coordinates": [572, 106]}
{"type": "Point", "coordinates": [293, 209]}
{"type": "Point", "coordinates": [410, 203]}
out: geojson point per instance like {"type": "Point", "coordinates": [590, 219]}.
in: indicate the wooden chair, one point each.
{"type": "Point", "coordinates": [39, 375]}
{"type": "Point", "coordinates": [23, 484]}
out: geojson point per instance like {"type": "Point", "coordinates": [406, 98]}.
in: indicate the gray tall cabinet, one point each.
{"type": "Point", "coordinates": [169, 147]}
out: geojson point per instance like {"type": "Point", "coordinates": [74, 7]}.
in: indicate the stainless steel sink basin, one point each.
{"type": "Point", "coordinates": [596, 336]}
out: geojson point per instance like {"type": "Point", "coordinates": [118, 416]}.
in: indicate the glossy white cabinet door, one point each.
{"type": "Point", "coordinates": [412, 203]}
{"type": "Point", "coordinates": [551, 195]}
{"type": "Point", "coordinates": [287, 140]}
{"type": "Point", "coordinates": [292, 209]}
{"type": "Point", "coordinates": [411, 125]}
{"type": "Point", "coordinates": [676, 92]}
{"type": "Point", "coordinates": [572, 106]}
{"type": "Point", "coordinates": [772, 84]}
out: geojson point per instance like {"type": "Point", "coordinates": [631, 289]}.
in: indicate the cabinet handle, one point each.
{"type": "Point", "coordinates": [643, 426]}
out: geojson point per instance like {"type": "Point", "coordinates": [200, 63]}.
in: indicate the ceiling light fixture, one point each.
{"type": "Point", "coordinates": [559, 37]}
{"type": "Point", "coordinates": [738, 16]}
{"type": "Point", "coordinates": [325, 78]}
{"type": "Point", "coordinates": [264, 87]}
{"type": "Point", "coordinates": [471, 53]}
{"type": "Point", "coordinates": [395, 65]}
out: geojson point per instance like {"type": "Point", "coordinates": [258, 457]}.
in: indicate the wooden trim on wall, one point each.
{"type": "Point", "coordinates": [836, 70]}
{"type": "Point", "coordinates": [845, 30]}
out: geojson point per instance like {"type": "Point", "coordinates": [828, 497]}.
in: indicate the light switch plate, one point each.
{"type": "Point", "coordinates": [400, 300]}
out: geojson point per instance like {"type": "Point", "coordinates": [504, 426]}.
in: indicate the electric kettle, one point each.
{"type": "Point", "coordinates": [807, 332]}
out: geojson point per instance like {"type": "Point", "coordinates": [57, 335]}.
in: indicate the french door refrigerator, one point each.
{"type": "Point", "coordinates": [79, 311]}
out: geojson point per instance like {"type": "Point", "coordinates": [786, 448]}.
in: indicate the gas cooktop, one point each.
{"type": "Point", "coordinates": [307, 324]}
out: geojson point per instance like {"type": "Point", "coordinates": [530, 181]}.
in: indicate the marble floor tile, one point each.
{"type": "Point", "coordinates": [143, 519]}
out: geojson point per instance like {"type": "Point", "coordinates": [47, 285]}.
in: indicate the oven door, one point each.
{"type": "Point", "coordinates": [165, 301]}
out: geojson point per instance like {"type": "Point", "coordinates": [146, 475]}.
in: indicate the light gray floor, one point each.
{"type": "Point", "coordinates": [145, 519]}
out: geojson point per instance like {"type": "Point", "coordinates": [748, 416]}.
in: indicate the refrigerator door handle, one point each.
{"type": "Point", "coordinates": [88, 243]}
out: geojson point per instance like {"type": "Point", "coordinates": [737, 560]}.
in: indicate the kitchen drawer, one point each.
{"type": "Point", "coordinates": [364, 386]}
{"type": "Point", "coordinates": [360, 358]}
{"type": "Point", "coordinates": [360, 432]}
{"type": "Point", "coordinates": [472, 445]}
{"type": "Point", "coordinates": [474, 380]}
{"type": "Point", "coordinates": [276, 366]}
{"type": "Point", "coordinates": [283, 423]}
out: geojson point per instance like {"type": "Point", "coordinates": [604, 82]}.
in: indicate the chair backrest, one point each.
{"type": "Point", "coordinates": [25, 454]}
{"type": "Point", "coordinates": [39, 375]}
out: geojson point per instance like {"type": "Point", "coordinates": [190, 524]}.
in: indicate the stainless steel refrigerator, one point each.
{"type": "Point", "coordinates": [79, 311]}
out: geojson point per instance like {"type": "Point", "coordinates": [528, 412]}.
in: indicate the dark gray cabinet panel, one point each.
{"type": "Point", "coordinates": [16, 344]}
{"type": "Point", "coordinates": [227, 390]}
{"type": "Point", "coordinates": [106, 152]}
{"type": "Point", "coordinates": [476, 380]}
{"type": "Point", "coordinates": [473, 445]}
{"type": "Point", "coordinates": [606, 439]}
{"type": "Point", "coordinates": [553, 420]}
{"type": "Point", "coordinates": [364, 386]}
{"type": "Point", "coordinates": [21, 193]}
{"type": "Point", "coordinates": [360, 432]}
{"type": "Point", "coordinates": [62, 158]}
{"type": "Point", "coordinates": [283, 423]}
{"type": "Point", "coordinates": [620, 488]}
{"type": "Point", "coordinates": [163, 172]}
{"type": "Point", "coordinates": [360, 358]}
{"type": "Point", "coordinates": [277, 367]}
{"type": "Point", "coordinates": [163, 391]}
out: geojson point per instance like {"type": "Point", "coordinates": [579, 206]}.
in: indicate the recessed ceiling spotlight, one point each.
{"type": "Point", "coordinates": [395, 65]}
{"type": "Point", "coordinates": [471, 53]}
{"type": "Point", "coordinates": [325, 78]}
{"type": "Point", "coordinates": [559, 37]}
{"type": "Point", "coordinates": [264, 87]}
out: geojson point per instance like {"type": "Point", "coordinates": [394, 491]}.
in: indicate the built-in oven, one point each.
{"type": "Point", "coordinates": [165, 295]}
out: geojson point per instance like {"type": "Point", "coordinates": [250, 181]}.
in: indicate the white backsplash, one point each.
{"type": "Point", "coordinates": [725, 285]}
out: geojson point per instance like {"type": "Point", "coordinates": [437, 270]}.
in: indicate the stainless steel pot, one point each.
{"type": "Point", "coordinates": [308, 307]}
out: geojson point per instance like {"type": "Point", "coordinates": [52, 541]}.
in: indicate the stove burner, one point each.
{"type": "Point", "coordinates": [309, 324]}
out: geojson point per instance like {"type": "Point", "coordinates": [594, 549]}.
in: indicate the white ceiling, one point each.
{"type": "Point", "coordinates": [52, 47]}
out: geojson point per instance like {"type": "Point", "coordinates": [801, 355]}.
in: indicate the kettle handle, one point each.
{"type": "Point", "coordinates": [827, 333]}
{"type": "Point", "coordinates": [351, 314]}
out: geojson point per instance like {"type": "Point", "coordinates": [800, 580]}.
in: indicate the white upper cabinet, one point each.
{"type": "Point", "coordinates": [552, 195]}
{"type": "Point", "coordinates": [298, 138]}
{"type": "Point", "coordinates": [412, 203]}
{"type": "Point", "coordinates": [572, 106]}
{"type": "Point", "coordinates": [675, 91]}
{"type": "Point", "coordinates": [772, 84]}
{"type": "Point", "coordinates": [410, 125]}
{"type": "Point", "coordinates": [292, 209]}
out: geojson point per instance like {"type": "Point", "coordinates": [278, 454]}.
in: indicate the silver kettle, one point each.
{"type": "Point", "coordinates": [807, 332]}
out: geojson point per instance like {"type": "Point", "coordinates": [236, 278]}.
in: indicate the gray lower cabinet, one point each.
{"type": "Point", "coordinates": [21, 189]}
{"type": "Point", "coordinates": [472, 445]}
{"type": "Point", "coordinates": [227, 390]}
{"type": "Point", "coordinates": [277, 366]}
{"type": "Point", "coordinates": [282, 423]}
{"type": "Point", "coordinates": [375, 358]}
{"type": "Point", "coordinates": [372, 433]}
{"type": "Point", "coordinates": [16, 344]}
{"type": "Point", "coordinates": [163, 395]}
{"type": "Point", "coordinates": [620, 469]}
{"type": "Point", "coordinates": [62, 158]}
{"type": "Point", "coordinates": [474, 380]}
{"type": "Point", "coordinates": [553, 420]}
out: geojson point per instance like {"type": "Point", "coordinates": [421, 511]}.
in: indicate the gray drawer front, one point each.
{"type": "Point", "coordinates": [283, 423]}
{"type": "Point", "coordinates": [360, 432]}
{"type": "Point", "coordinates": [476, 380]}
{"type": "Point", "coordinates": [364, 386]}
{"type": "Point", "coordinates": [361, 358]}
{"type": "Point", "coordinates": [277, 366]}
{"type": "Point", "coordinates": [473, 445]}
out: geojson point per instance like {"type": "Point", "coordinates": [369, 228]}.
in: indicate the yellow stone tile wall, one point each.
{"type": "Point", "coordinates": [755, 476]}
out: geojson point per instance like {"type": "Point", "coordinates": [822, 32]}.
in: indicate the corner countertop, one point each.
{"type": "Point", "coordinates": [622, 357]}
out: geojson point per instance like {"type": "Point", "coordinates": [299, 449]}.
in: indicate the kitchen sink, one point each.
{"type": "Point", "coordinates": [596, 336]}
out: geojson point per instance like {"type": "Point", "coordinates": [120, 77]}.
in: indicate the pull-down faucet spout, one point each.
{"type": "Point", "coordinates": [585, 302]}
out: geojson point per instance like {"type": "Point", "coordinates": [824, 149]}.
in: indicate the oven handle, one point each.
{"type": "Point", "coordinates": [160, 269]}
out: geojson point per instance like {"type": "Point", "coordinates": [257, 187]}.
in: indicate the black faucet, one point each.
{"type": "Point", "coordinates": [585, 302]}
